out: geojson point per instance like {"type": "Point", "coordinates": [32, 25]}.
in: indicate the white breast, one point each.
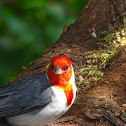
{"type": "Point", "coordinates": [51, 112]}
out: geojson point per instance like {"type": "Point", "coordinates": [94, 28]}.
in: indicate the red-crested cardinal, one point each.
{"type": "Point", "coordinates": [40, 98]}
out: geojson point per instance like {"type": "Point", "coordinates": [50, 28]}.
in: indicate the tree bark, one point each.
{"type": "Point", "coordinates": [103, 103]}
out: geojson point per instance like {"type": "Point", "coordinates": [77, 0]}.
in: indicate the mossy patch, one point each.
{"type": "Point", "coordinates": [95, 63]}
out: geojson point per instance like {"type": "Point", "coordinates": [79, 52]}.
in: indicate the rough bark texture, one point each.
{"type": "Point", "coordinates": [104, 104]}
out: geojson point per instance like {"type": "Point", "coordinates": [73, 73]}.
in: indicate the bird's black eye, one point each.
{"type": "Point", "coordinates": [66, 68]}
{"type": "Point", "coordinates": [51, 66]}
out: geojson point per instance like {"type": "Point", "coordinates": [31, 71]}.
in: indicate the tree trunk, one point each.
{"type": "Point", "coordinates": [101, 100]}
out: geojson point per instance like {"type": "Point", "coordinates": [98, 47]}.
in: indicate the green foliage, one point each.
{"type": "Point", "coordinates": [108, 37]}
{"type": "Point", "coordinates": [28, 27]}
{"type": "Point", "coordinates": [105, 56]}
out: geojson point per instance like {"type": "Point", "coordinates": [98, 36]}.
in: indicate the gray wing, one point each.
{"type": "Point", "coordinates": [25, 96]}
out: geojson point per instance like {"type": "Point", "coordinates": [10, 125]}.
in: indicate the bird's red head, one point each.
{"type": "Point", "coordinates": [59, 72]}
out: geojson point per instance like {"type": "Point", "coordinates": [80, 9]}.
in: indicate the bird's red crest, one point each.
{"type": "Point", "coordinates": [61, 60]}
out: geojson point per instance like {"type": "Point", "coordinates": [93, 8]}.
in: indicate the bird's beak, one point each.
{"type": "Point", "coordinates": [57, 70]}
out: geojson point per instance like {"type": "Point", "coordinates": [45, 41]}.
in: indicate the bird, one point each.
{"type": "Point", "coordinates": [40, 98]}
